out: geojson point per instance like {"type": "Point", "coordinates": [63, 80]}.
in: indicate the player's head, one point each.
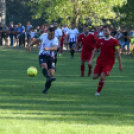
{"type": "Point", "coordinates": [85, 29]}
{"type": "Point", "coordinates": [51, 33]}
{"type": "Point", "coordinates": [107, 30]}
{"type": "Point", "coordinates": [131, 29]}
{"type": "Point", "coordinates": [19, 24]}
{"type": "Point", "coordinates": [55, 24]}
{"type": "Point", "coordinates": [72, 25]}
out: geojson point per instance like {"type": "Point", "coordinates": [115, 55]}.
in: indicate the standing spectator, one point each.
{"type": "Point", "coordinates": [114, 32]}
{"type": "Point", "coordinates": [21, 30]}
{"type": "Point", "coordinates": [101, 32]}
{"type": "Point", "coordinates": [42, 29]}
{"type": "Point", "coordinates": [1, 33]}
{"type": "Point", "coordinates": [121, 38]}
{"type": "Point", "coordinates": [131, 35]}
{"type": "Point", "coordinates": [65, 37]}
{"type": "Point", "coordinates": [81, 29]}
{"type": "Point", "coordinates": [28, 28]}
{"type": "Point", "coordinates": [126, 42]}
{"type": "Point", "coordinates": [46, 28]}
{"type": "Point", "coordinates": [11, 31]}
{"type": "Point", "coordinates": [16, 35]}
{"type": "Point", "coordinates": [38, 32]}
{"type": "Point", "coordinates": [5, 34]}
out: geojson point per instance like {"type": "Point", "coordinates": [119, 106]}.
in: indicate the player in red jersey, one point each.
{"type": "Point", "coordinates": [104, 64]}
{"type": "Point", "coordinates": [88, 43]}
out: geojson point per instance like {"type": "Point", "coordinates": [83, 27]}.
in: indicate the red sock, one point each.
{"type": "Point", "coordinates": [82, 69]}
{"type": "Point", "coordinates": [89, 67]}
{"type": "Point", "coordinates": [101, 83]}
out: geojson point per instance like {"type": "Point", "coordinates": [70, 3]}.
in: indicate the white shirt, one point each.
{"type": "Point", "coordinates": [32, 34]}
{"type": "Point", "coordinates": [45, 42]}
{"type": "Point", "coordinates": [58, 33]}
{"type": "Point", "coordinates": [65, 30]}
{"type": "Point", "coordinates": [73, 35]}
{"type": "Point", "coordinates": [101, 34]}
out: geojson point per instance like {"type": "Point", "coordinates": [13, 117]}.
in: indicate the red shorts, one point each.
{"type": "Point", "coordinates": [86, 55]}
{"type": "Point", "coordinates": [105, 69]}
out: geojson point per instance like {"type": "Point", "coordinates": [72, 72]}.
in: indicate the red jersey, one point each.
{"type": "Point", "coordinates": [88, 42]}
{"type": "Point", "coordinates": [107, 51]}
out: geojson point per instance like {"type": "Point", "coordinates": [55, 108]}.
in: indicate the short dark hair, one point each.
{"type": "Point", "coordinates": [107, 26]}
{"type": "Point", "coordinates": [51, 29]}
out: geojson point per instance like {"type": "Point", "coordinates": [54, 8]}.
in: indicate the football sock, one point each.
{"type": "Point", "coordinates": [55, 61]}
{"type": "Point", "coordinates": [47, 85]}
{"type": "Point", "coordinates": [82, 69]}
{"type": "Point", "coordinates": [45, 73]}
{"type": "Point", "coordinates": [100, 85]}
{"type": "Point", "coordinates": [89, 67]}
{"type": "Point", "coordinates": [73, 53]}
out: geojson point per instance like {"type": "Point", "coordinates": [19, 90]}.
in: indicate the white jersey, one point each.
{"type": "Point", "coordinates": [73, 35]}
{"type": "Point", "coordinates": [101, 34]}
{"type": "Point", "coordinates": [45, 42]}
{"type": "Point", "coordinates": [65, 30]}
{"type": "Point", "coordinates": [33, 34]}
{"type": "Point", "coordinates": [58, 33]}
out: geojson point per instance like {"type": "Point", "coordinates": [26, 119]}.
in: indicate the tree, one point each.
{"type": "Point", "coordinates": [126, 12]}
{"type": "Point", "coordinates": [77, 10]}
{"type": "Point", "coordinates": [3, 11]}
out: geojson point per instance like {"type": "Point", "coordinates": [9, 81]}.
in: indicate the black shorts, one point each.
{"type": "Point", "coordinates": [16, 36]}
{"type": "Point", "coordinates": [48, 60]}
{"type": "Point", "coordinates": [72, 44]}
{"type": "Point", "coordinates": [4, 35]}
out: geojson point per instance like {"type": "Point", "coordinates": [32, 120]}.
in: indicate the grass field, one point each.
{"type": "Point", "coordinates": [70, 106]}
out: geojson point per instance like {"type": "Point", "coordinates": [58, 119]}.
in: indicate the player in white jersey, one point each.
{"type": "Point", "coordinates": [73, 34]}
{"type": "Point", "coordinates": [58, 34]}
{"type": "Point", "coordinates": [49, 45]}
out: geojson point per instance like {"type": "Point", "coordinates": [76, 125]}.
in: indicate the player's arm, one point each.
{"type": "Point", "coordinates": [92, 57]}
{"type": "Point", "coordinates": [37, 41]}
{"type": "Point", "coordinates": [119, 57]}
{"type": "Point", "coordinates": [54, 48]}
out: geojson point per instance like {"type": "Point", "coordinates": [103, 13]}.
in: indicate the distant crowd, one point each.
{"type": "Point", "coordinates": [17, 35]}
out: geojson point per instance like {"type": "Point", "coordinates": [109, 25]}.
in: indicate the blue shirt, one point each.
{"type": "Point", "coordinates": [21, 29]}
{"type": "Point", "coordinates": [131, 34]}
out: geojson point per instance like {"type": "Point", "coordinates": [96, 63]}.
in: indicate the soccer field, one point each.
{"type": "Point", "coordinates": [70, 107]}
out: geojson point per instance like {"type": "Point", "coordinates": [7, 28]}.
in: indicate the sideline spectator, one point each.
{"type": "Point", "coordinates": [42, 29]}
{"type": "Point", "coordinates": [38, 32]}
{"type": "Point", "coordinates": [21, 30]}
{"type": "Point", "coordinates": [11, 31]}
{"type": "Point", "coordinates": [16, 35]}
{"type": "Point", "coordinates": [114, 32]}
{"type": "Point", "coordinates": [28, 29]}
{"type": "Point", "coordinates": [5, 34]}
{"type": "Point", "coordinates": [1, 33]}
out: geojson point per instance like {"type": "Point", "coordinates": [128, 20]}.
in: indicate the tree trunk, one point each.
{"type": "Point", "coordinates": [77, 20]}
{"type": "Point", "coordinates": [3, 11]}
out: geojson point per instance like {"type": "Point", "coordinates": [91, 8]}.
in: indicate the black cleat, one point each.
{"type": "Point", "coordinates": [45, 91]}
{"type": "Point", "coordinates": [51, 79]}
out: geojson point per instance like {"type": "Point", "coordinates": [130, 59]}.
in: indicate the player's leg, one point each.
{"type": "Point", "coordinates": [82, 67]}
{"type": "Point", "coordinates": [105, 72]}
{"type": "Point", "coordinates": [89, 67]}
{"type": "Point", "coordinates": [72, 50]}
{"type": "Point", "coordinates": [51, 71]}
{"type": "Point", "coordinates": [101, 83]}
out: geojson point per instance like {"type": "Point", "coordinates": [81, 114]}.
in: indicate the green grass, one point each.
{"type": "Point", "coordinates": [70, 106]}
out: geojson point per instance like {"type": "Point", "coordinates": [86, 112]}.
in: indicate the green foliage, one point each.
{"type": "Point", "coordinates": [78, 10]}
{"type": "Point", "coordinates": [126, 11]}
{"type": "Point", "coordinates": [19, 11]}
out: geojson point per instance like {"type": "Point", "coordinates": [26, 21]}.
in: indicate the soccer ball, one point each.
{"type": "Point", "coordinates": [32, 71]}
